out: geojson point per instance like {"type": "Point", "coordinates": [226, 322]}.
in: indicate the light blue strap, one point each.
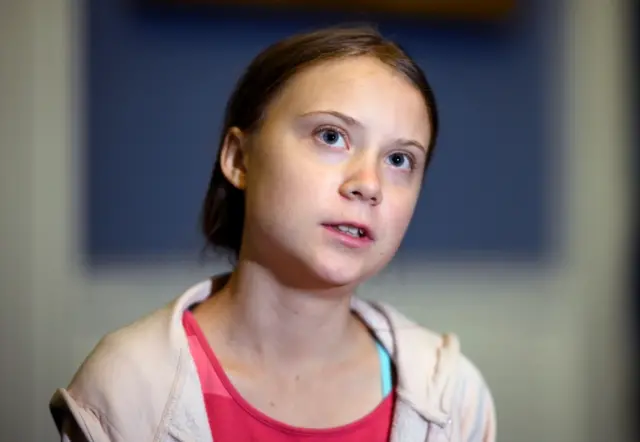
{"type": "Point", "coordinates": [385, 369]}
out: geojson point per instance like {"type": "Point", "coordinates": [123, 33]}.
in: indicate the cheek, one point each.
{"type": "Point", "coordinates": [278, 184]}
{"type": "Point", "coordinates": [399, 211]}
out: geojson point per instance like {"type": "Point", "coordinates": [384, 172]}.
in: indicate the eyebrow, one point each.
{"type": "Point", "coordinates": [350, 121]}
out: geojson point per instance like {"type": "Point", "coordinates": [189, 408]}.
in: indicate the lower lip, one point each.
{"type": "Point", "coordinates": [348, 240]}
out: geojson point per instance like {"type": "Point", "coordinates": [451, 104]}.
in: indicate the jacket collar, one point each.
{"type": "Point", "coordinates": [425, 362]}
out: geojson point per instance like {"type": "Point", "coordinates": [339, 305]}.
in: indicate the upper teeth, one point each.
{"type": "Point", "coordinates": [353, 231]}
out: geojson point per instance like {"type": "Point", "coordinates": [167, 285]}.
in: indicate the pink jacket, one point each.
{"type": "Point", "coordinates": [140, 384]}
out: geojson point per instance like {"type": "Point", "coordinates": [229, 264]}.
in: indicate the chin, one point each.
{"type": "Point", "coordinates": [323, 267]}
{"type": "Point", "coordinates": [340, 271]}
{"type": "Point", "coordinates": [334, 277]}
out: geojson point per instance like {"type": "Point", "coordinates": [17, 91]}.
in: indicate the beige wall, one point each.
{"type": "Point", "coordinates": [16, 278]}
{"type": "Point", "coordinates": [538, 334]}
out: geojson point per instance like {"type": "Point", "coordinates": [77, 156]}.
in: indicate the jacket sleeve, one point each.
{"type": "Point", "coordinates": [78, 423]}
{"type": "Point", "coordinates": [476, 406]}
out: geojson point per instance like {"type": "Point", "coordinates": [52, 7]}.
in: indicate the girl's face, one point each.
{"type": "Point", "coordinates": [333, 174]}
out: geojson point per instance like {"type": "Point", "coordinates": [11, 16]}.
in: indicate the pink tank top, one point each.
{"type": "Point", "coordinates": [233, 419]}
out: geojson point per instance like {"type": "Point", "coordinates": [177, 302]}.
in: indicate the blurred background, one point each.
{"type": "Point", "coordinates": [525, 241]}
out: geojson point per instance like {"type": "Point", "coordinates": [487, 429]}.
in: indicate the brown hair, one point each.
{"type": "Point", "coordinates": [222, 219]}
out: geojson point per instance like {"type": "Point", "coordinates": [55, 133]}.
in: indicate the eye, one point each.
{"type": "Point", "coordinates": [400, 161]}
{"type": "Point", "coordinates": [331, 137]}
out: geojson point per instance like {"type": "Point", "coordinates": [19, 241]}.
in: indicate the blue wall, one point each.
{"type": "Point", "coordinates": [156, 88]}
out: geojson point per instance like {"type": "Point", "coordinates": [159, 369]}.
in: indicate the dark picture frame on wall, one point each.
{"type": "Point", "coordinates": [156, 85]}
{"type": "Point", "coordinates": [452, 9]}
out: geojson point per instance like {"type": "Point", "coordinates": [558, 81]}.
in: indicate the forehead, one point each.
{"type": "Point", "coordinates": [361, 87]}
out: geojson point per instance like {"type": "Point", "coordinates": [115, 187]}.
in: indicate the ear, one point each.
{"type": "Point", "coordinates": [233, 157]}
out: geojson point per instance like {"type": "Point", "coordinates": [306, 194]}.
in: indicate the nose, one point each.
{"type": "Point", "coordinates": [363, 185]}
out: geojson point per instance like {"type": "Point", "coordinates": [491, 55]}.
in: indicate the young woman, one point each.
{"type": "Point", "coordinates": [326, 141]}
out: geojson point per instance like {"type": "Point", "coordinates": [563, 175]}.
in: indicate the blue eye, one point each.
{"type": "Point", "coordinates": [332, 137]}
{"type": "Point", "coordinates": [400, 161]}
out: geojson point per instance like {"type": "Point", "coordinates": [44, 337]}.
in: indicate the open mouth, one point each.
{"type": "Point", "coordinates": [351, 230]}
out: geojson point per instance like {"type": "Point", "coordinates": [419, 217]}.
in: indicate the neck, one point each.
{"type": "Point", "coordinates": [279, 324]}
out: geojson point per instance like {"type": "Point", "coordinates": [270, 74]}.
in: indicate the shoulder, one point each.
{"type": "Point", "coordinates": [473, 404]}
{"type": "Point", "coordinates": [442, 383]}
{"type": "Point", "coordinates": [126, 355]}
{"type": "Point", "coordinates": [130, 371]}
